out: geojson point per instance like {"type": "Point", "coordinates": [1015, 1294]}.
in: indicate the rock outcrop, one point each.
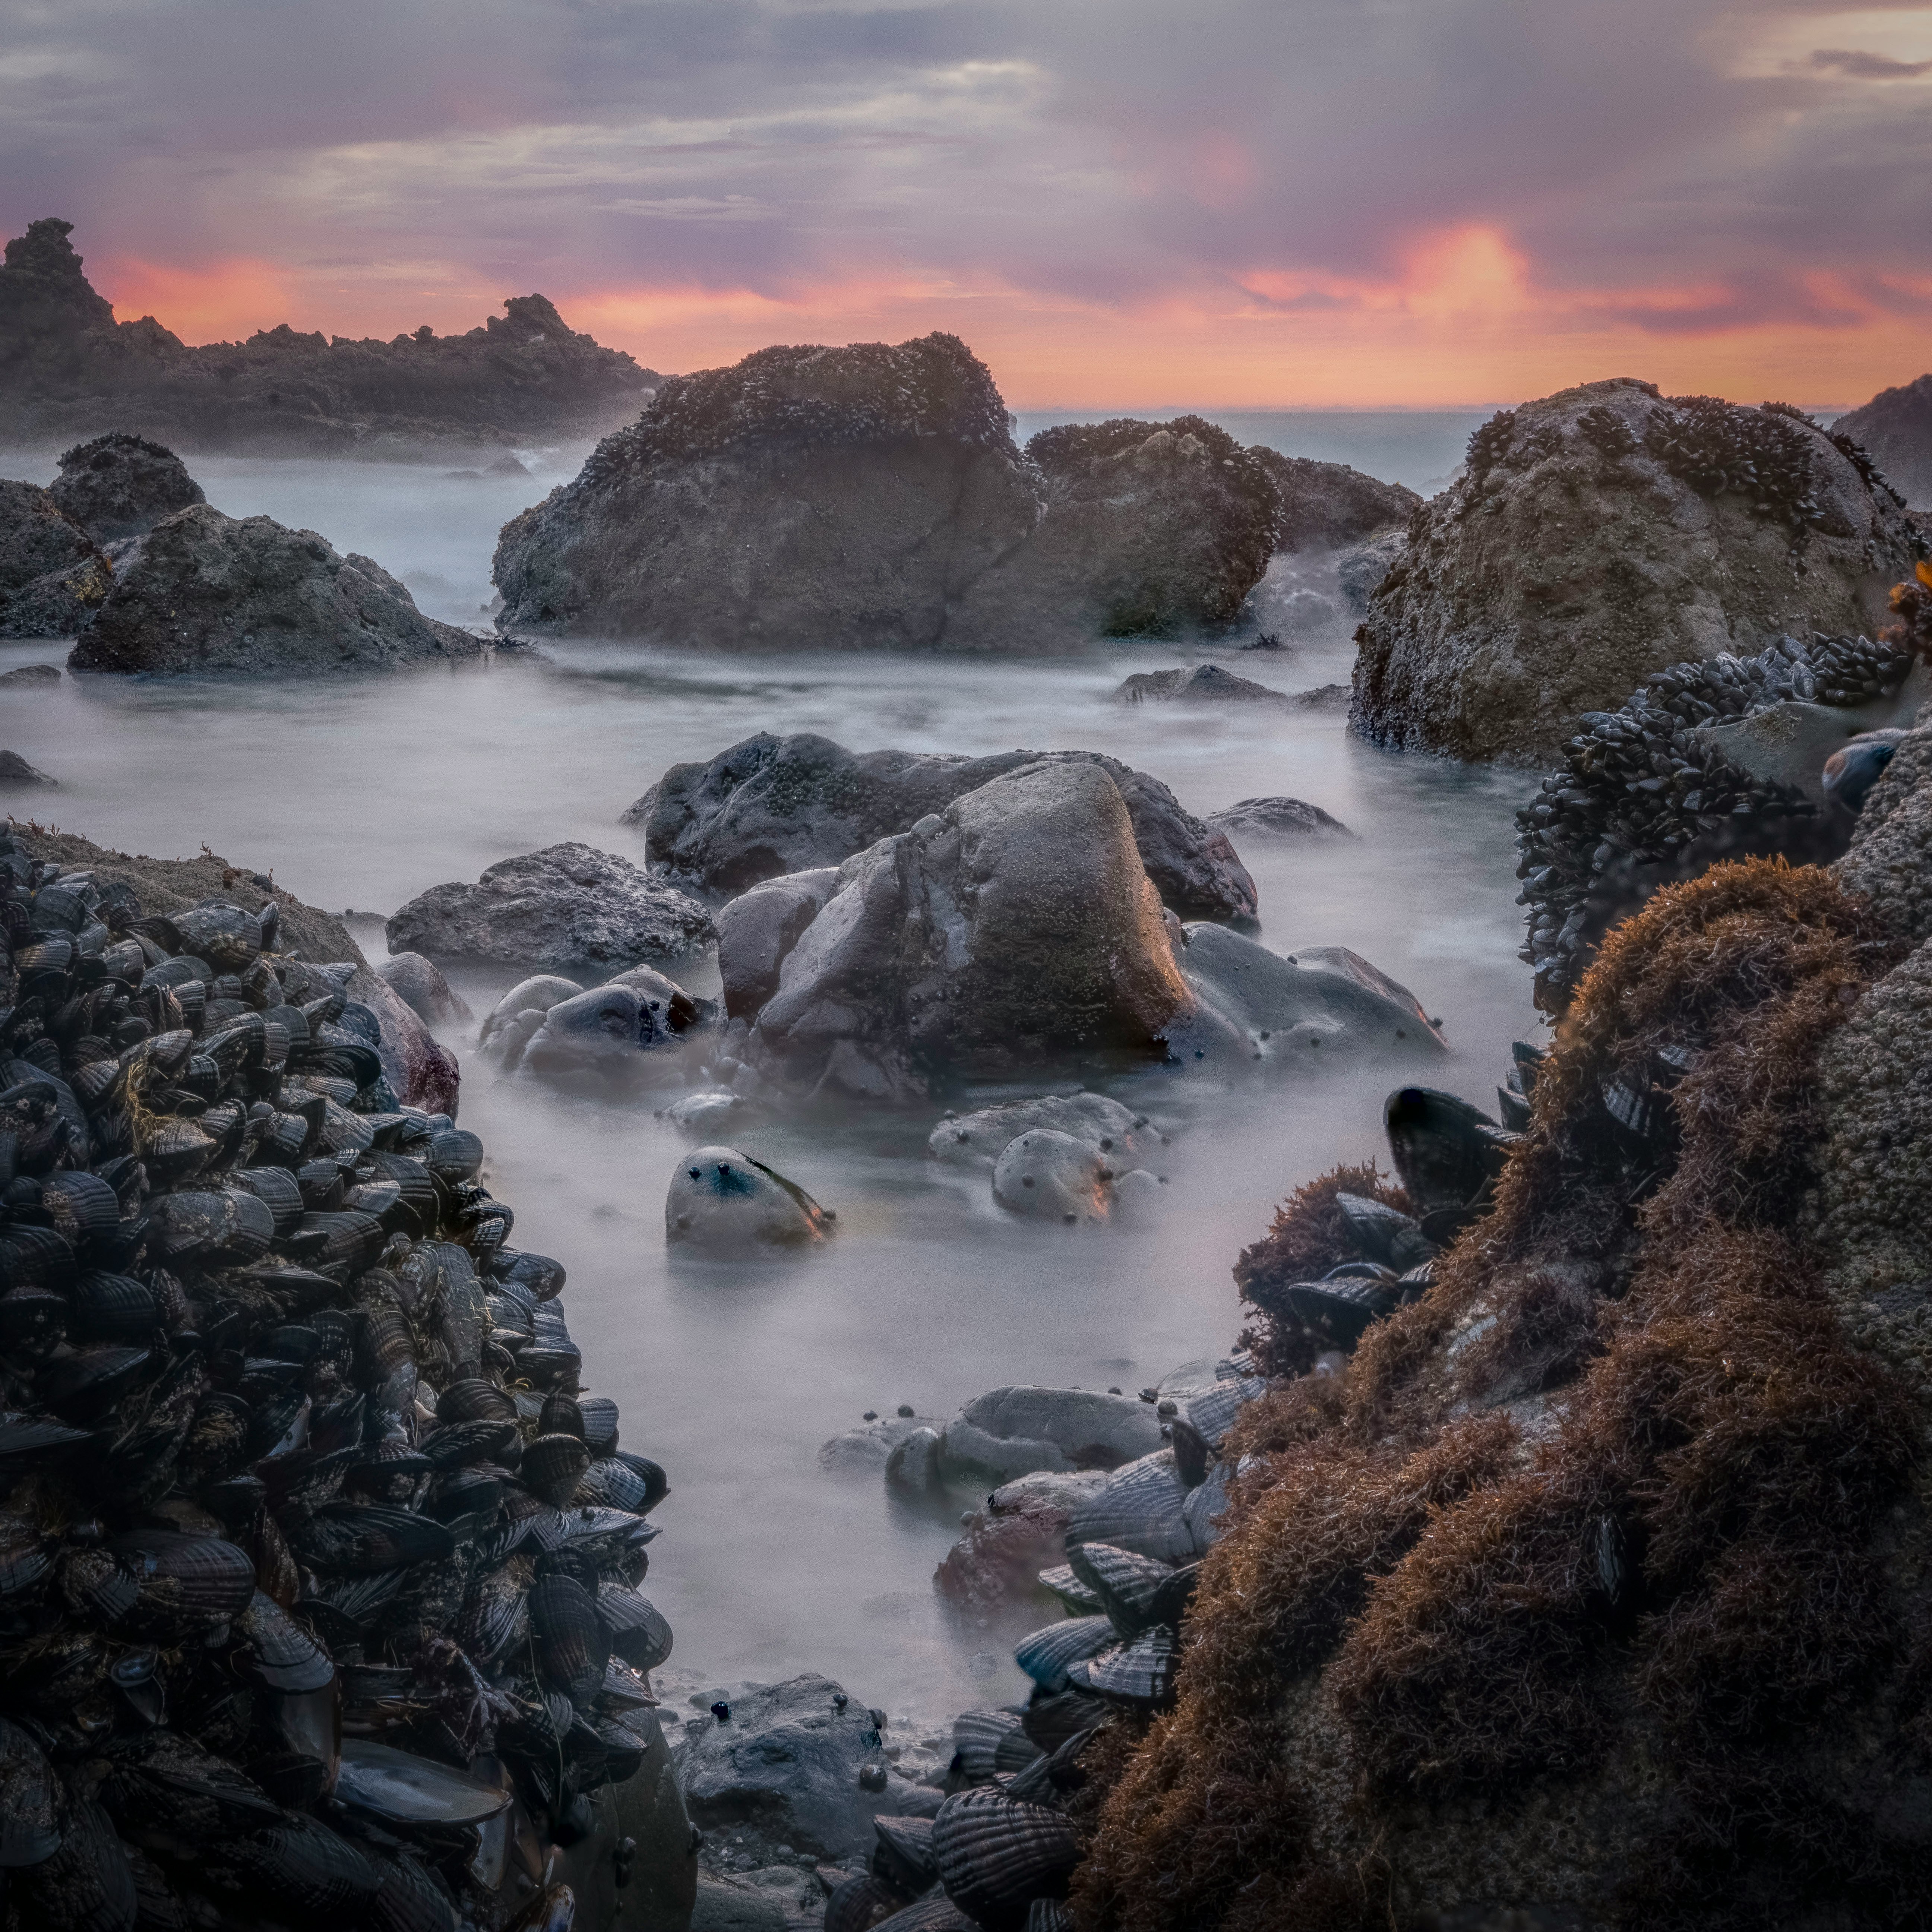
{"type": "Point", "coordinates": [566, 905]}
{"type": "Point", "coordinates": [1896, 427]}
{"type": "Point", "coordinates": [15, 771]}
{"type": "Point", "coordinates": [1279, 818]}
{"type": "Point", "coordinates": [205, 594]}
{"type": "Point", "coordinates": [770, 806]}
{"type": "Point", "coordinates": [1016, 926]}
{"type": "Point", "coordinates": [53, 575]}
{"type": "Point", "coordinates": [1329, 505]}
{"type": "Point", "coordinates": [121, 486]}
{"type": "Point", "coordinates": [68, 368]}
{"type": "Point", "coordinates": [813, 498]}
{"type": "Point", "coordinates": [1601, 534]}
{"type": "Point", "coordinates": [1195, 684]}
{"type": "Point", "coordinates": [1008, 1433]}
{"type": "Point", "coordinates": [872, 496]}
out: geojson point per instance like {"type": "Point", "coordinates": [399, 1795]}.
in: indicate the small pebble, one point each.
{"type": "Point", "coordinates": [984, 1664]}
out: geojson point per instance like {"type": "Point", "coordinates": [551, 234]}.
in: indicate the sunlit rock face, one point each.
{"type": "Point", "coordinates": [1601, 534]}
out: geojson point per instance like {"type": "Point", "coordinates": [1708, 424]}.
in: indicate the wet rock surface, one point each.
{"type": "Point", "coordinates": [1278, 817]}
{"type": "Point", "coordinates": [1601, 534]}
{"type": "Point", "coordinates": [68, 368]}
{"type": "Point", "coordinates": [298, 1460]}
{"type": "Point", "coordinates": [1896, 427]}
{"type": "Point", "coordinates": [552, 1026]}
{"type": "Point", "coordinates": [721, 1203]}
{"type": "Point", "coordinates": [771, 805]}
{"type": "Point", "coordinates": [15, 771]}
{"type": "Point", "coordinates": [1330, 505]}
{"type": "Point", "coordinates": [53, 575]}
{"type": "Point", "coordinates": [566, 905]}
{"type": "Point", "coordinates": [419, 984]}
{"type": "Point", "coordinates": [120, 486]}
{"type": "Point", "coordinates": [1196, 684]}
{"type": "Point", "coordinates": [1008, 1433]}
{"type": "Point", "coordinates": [205, 593]}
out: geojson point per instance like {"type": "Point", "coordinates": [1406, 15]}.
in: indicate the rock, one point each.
{"type": "Point", "coordinates": [721, 1202]}
{"type": "Point", "coordinates": [711, 521]}
{"type": "Point", "coordinates": [1325, 505]}
{"type": "Point", "coordinates": [1016, 927]}
{"type": "Point", "coordinates": [208, 593]}
{"type": "Point", "coordinates": [547, 1025]}
{"type": "Point", "coordinates": [1053, 1177]}
{"type": "Point", "coordinates": [992, 1572]}
{"type": "Point", "coordinates": [1359, 570]}
{"type": "Point", "coordinates": [867, 1450]}
{"type": "Point", "coordinates": [1319, 999]}
{"type": "Point", "coordinates": [566, 905]}
{"type": "Point", "coordinates": [648, 1808]}
{"type": "Point", "coordinates": [1017, 1431]}
{"type": "Point", "coordinates": [31, 677]}
{"type": "Point", "coordinates": [1202, 684]}
{"type": "Point", "coordinates": [1598, 535]}
{"type": "Point", "coordinates": [912, 1467]}
{"type": "Point", "coordinates": [120, 485]}
{"type": "Point", "coordinates": [977, 1140]}
{"type": "Point", "coordinates": [53, 576]}
{"type": "Point", "coordinates": [771, 806]}
{"type": "Point", "coordinates": [787, 1763]}
{"type": "Point", "coordinates": [15, 770]}
{"type": "Point", "coordinates": [511, 1021]}
{"type": "Point", "coordinates": [419, 984]}
{"type": "Point", "coordinates": [1280, 817]}
{"type": "Point", "coordinates": [70, 369]}
{"type": "Point", "coordinates": [758, 928]}
{"type": "Point", "coordinates": [701, 1115]}
{"type": "Point", "coordinates": [1896, 427]}
{"type": "Point", "coordinates": [724, 1905]}
{"type": "Point", "coordinates": [1151, 530]}
{"type": "Point", "coordinates": [1322, 697]}
{"type": "Point", "coordinates": [1890, 861]}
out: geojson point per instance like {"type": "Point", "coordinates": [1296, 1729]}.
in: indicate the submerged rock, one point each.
{"type": "Point", "coordinates": [120, 485]}
{"type": "Point", "coordinates": [1279, 818]}
{"type": "Point", "coordinates": [1013, 1432]}
{"type": "Point", "coordinates": [15, 770]}
{"type": "Point", "coordinates": [1326, 506]}
{"type": "Point", "coordinates": [1600, 535]}
{"type": "Point", "coordinates": [566, 905]}
{"type": "Point", "coordinates": [419, 984]}
{"type": "Point", "coordinates": [1053, 1177]}
{"type": "Point", "coordinates": [550, 1026]}
{"type": "Point", "coordinates": [31, 677]}
{"type": "Point", "coordinates": [771, 805]}
{"type": "Point", "coordinates": [1015, 926]}
{"type": "Point", "coordinates": [723, 1203]}
{"type": "Point", "coordinates": [1200, 684]}
{"type": "Point", "coordinates": [1896, 427]}
{"type": "Point", "coordinates": [992, 1572]}
{"type": "Point", "coordinates": [206, 593]}
{"type": "Point", "coordinates": [977, 1140]}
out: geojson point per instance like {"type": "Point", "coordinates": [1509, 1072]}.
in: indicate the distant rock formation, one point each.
{"type": "Point", "coordinates": [203, 593]}
{"type": "Point", "coordinates": [1197, 684]}
{"type": "Point", "coordinates": [872, 496]}
{"type": "Point", "coordinates": [1330, 506]}
{"type": "Point", "coordinates": [1896, 426]}
{"type": "Point", "coordinates": [1601, 534]}
{"type": "Point", "coordinates": [68, 368]}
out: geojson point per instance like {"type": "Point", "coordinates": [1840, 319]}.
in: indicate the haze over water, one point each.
{"type": "Point", "coordinates": [361, 793]}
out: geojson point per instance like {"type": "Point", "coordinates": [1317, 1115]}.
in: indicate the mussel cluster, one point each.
{"type": "Point", "coordinates": [1638, 789]}
{"type": "Point", "coordinates": [1001, 1848]}
{"type": "Point", "coordinates": [318, 1569]}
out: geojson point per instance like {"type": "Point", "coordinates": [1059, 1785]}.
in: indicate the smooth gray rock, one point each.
{"type": "Point", "coordinates": [566, 905]}
{"type": "Point", "coordinates": [720, 1202]}
{"type": "Point", "coordinates": [1279, 818]}
{"type": "Point", "coordinates": [1052, 1176]}
{"type": "Point", "coordinates": [511, 1021]}
{"type": "Point", "coordinates": [15, 770]}
{"type": "Point", "coordinates": [871, 1447]}
{"type": "Point", "coordinates": [758, 928]}
{"type": "Point", "coordinates": [550, 1027]}
{"type": "Point", "coordinates": [788, 1762]}
{"type": "Point", "coordinates": [1016, 928]}
{"type": "Point", "coordinates": [31, 677]}
{"type": "Point", "coordinates": [912, 1467]}
{"type": "Point", "coordinates": [120, 485]}
{"type": "Point", "coordinates": [724, 1905]}
{"type": "Point", "coordinates": [1197, 684]}
{"type": "Point", "coordinates": [769, 806]}
{"type": "Point", "coordinates": [206, 593]}
{"type": "Point", "coordinates": [1016, 1431]}
{"type": "Point", "coordinates": [419, 984]}
{"type": "Point", "coordinates": [977, 1140]}
{"type": "Point", "coordinates": [702, 1115]}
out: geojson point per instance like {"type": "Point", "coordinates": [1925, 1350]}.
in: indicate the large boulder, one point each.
{"type": "Point", "coordinates": [1010, 1432]}
{"type": "Point", "coordinates": [787, 1762]}
{"type": "Point", "coordinates": [1017, 926]}
{"type": "Point", "coordinates": [120, 485]}
{"type": "Point", "coordinates": [770, 806]}
{"type": "Point", "coordinates": [1151, 530]}
{"type": "Point", "coordinates": [1598, 535]}
{"type": "Point", "coordinates": [53, 575]}
{"type": "Point", "coordinates": [758, 929]}
{"type": "Point", "coordinates": [204, 593]}
{"type": "Point", "coordinates": [993, 1570]}
{"type": "Point", "coordinates": [1896, 427]}
{"type": "Point", "coordinates": [812, 497]}
{"type": "Point", "coordinates": [566, 905]}
{"type": "Point", "coordinates": [1328, 505]}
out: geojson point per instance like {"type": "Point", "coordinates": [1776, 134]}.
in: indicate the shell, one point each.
{"type": "Point", "coordinates": [301, 1868]}
{"type": "Point", "coordinates": [615, 1485]}
{"type": "Point", "coordinates": [286, 1657]}
{"type": "Point", "coordinates": [203, 1230]}
{"type": "Point", "coordinates": [573, 1646]}
{"type": "Point", "coordinates": [460, 1442]}
{"type": "Point", "coordinates": [116, 1308]}
{"type": "Point", "coordinates": [406, 1791]}
{"type": "Point", "coordinates": [599, 1414]}
{"type": "Point", "coordinates": [1126, 1583]}
{"type": "Point", "coordinates": [929, 1914]}
{"type": "Point", "coordinates": [1140, 1510]}
{"type": "Point", "coordinates": [29, 1829]}
{"type": "Point", "coordinates": [1211, 1414]}
{"type": "Point", "coordinates": [977, 1736]}
{"type": "Point", "coordinates": [454, 1155]}
{"type": "Point", "coordinates": [1446, 1150]}
{"type": "Point", "coordinates": [79, 1206]}
{"type": "Point", "coordinates": [996, 1854]}
{"type": "Point", "coordinates": [1046, 1655]}
{"type": "Point", "coordinates": [186, 1583]}
{"type": "Point", "coordinates": [473, 1399]}
{"type": "Point", "coordinates": [859, 1903]}
{"type": "Point", "coordinates": [552, 1466]}
{"type": "Point", "coordinates": [364, 1540]}
{"type": "Point", "coordinates": [1139, 1674]}
{"type": "Point", "coordinates": [86, 1885]}
{"type": "Point", "coordinates": [276, 1188]}
{"type": "Point", "coordinates": [1382, 1233]}
{"type": "Point", "coordinates": [904, 1855]}
{"type": "Point", "coordinates": [640, 1633]}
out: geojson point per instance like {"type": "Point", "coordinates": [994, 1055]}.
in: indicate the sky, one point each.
{"type": "Point", "coordinates": [1224, 203]}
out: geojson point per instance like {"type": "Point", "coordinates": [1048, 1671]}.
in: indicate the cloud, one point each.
{"type": "Point", "coordinates": [1667, 168]}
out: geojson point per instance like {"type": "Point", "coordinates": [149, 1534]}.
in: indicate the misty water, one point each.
{"type": "Point", "coordinates": [359, 795]}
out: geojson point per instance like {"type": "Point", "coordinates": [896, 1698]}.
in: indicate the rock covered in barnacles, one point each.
{"type": "Point", "coordinates": [1600, 534]}
{"type": "Point", "coordinates": [1706, 760]}
{"type": "Point", "coordinates": [119, 485]}
{"type": "Point", "coordinates": [311, 1541]}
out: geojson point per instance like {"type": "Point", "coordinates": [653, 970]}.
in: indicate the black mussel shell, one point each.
{"type": "Point", "coordinates": [363, 1539]}
{"type": "Point", "coordinates": [562, 1415]}
{"type": "Point", "coordinates": [116, 1308]}
{"type": "Point", "coordinates": [552, 1467]}
{"type": "Point", "coordinates": [29, 1824]}
{"type": "Point", "coordinates": [539, 1276]}
{"type": "Point", "coordinates": [640, 1633]}
{"type": "Point", "coordinates": [903, 1855]}
{"type": "Point", "coordinates": [285, 1656]}
{"type": "Point", "coordinates": [995, 1855]}
{"type": "Point", "coordinates": [208, 1230]}
{"type": "Point", "coordinates": [279, 1192]}
{"type": "Point", "coordinates": [453, 1155]}
{"type": "Point", "coordinates": [573, 1646]}
{"type": "Point", "coordinates": [600, 1423]}
{"type": "Point", "coordinates": [456, 1443]}
{"type": "Point", "coordinates": [474, 1400]}
{"type": "Point", "coordinates": [187, 1583]}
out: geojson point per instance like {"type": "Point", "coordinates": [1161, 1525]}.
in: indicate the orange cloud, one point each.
{"type": "Point", "coordinates": [222, 300]}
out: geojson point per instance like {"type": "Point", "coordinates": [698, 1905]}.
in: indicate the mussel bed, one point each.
{"type": "Point", "coordinates": [319, 1569]}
